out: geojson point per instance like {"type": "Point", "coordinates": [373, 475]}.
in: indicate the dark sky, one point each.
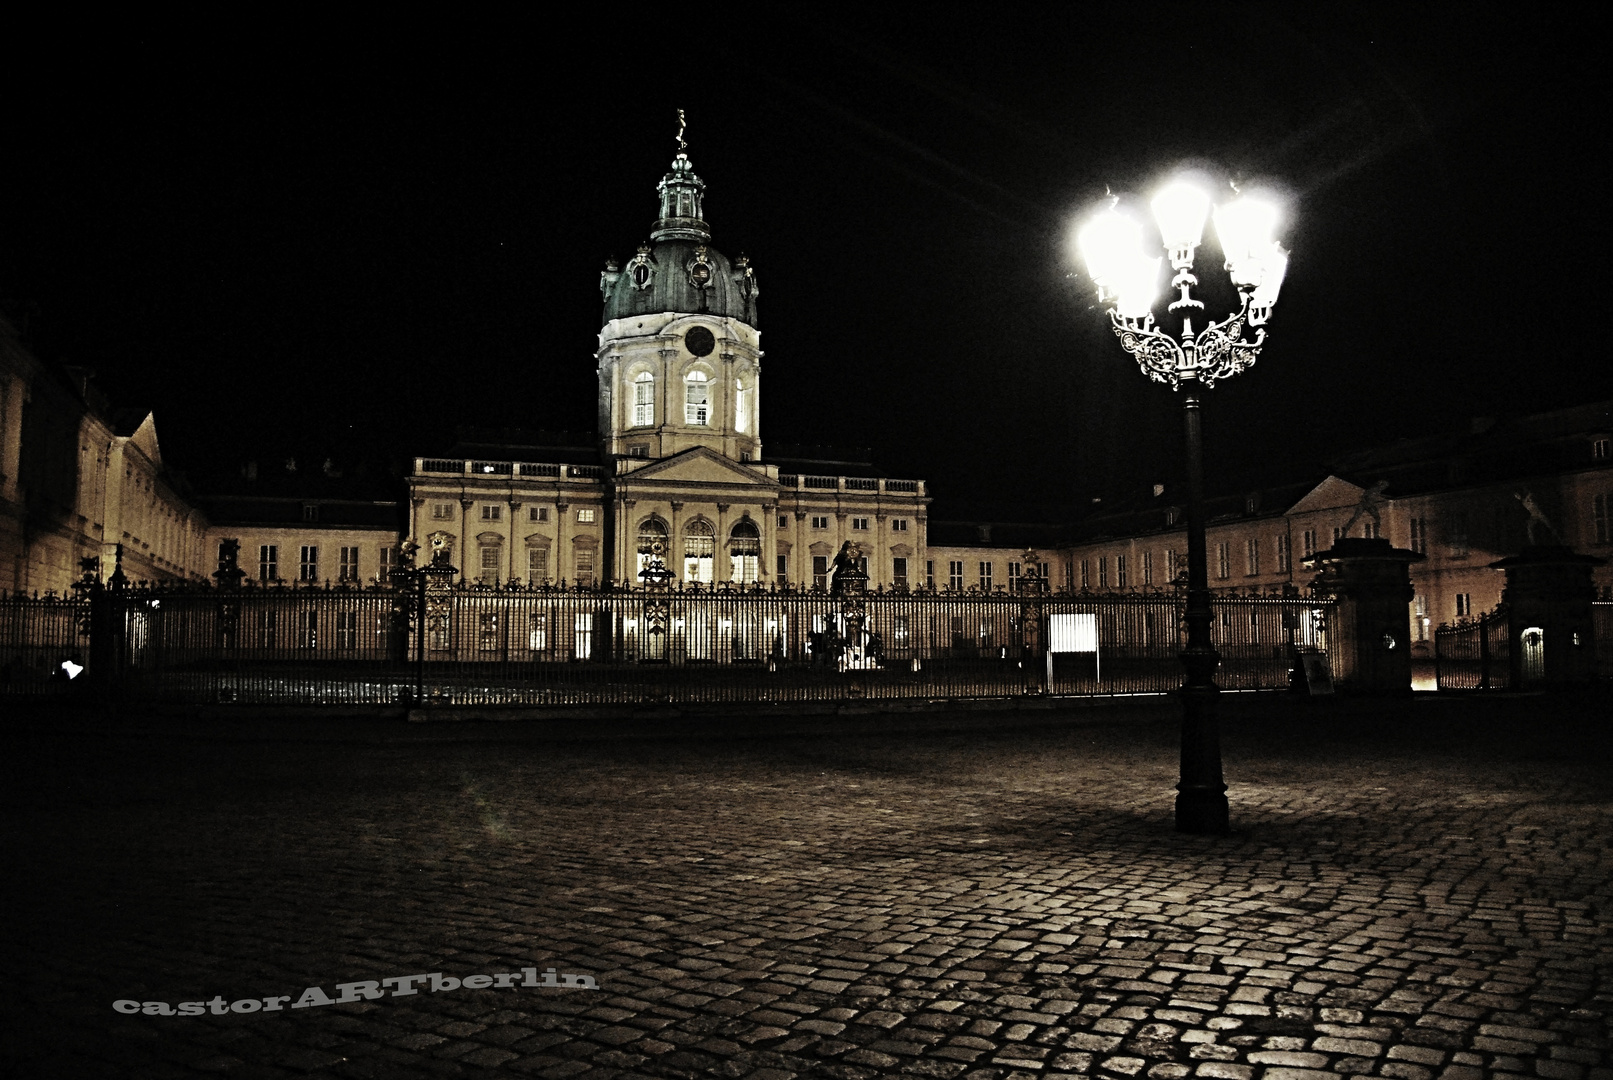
{"type": "Point", "coordinates": [355, 244]}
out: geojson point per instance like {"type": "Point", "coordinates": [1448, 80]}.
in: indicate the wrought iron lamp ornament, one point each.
{"type": "Point", "coordinates": [1128, 279]}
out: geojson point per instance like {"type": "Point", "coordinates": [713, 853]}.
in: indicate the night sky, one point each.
{"type": "Point", "coordinates": [352, 245]}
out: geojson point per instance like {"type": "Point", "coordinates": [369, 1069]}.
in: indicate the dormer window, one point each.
{"type": "Point", "coordinates": [1601, 449]}
{"type": "Point", "coordinates": [696, 399]}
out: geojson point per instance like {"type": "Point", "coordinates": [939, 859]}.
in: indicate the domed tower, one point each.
{"type": "Point", "coordinates": [679, 357]}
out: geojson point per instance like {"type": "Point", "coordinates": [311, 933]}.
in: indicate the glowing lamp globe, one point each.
{"type": "Point", "coordinates": [1137, 287]}
{"type": "Point", "coordinates": [1245, 226]}
{"type": "Point", "coordinates": [1180, 209]}
{"type": "Point", "coordinates": [1110, 243]}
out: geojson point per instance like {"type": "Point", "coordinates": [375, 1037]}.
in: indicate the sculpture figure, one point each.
{"type": "Point", "coordinates": [845, 568]}
{"type": "Point", "coordinates": [1371, 504]}
{"type": "Point", "coordinates": [1536, 517]}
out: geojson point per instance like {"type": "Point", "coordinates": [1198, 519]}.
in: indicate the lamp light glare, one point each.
{"type": "Point", "coordinates": [1274, 267]}
{"type": "Point", "coordinates": [1137, 287]}
{"type": "Point", "coordinates": [1180, 209]}
{"type": "Point", "coordinates": [1245, 228]}
{"type": "Point", "coordinates": [1109, 242]}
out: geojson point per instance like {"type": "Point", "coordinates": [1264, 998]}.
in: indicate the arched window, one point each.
{"type": "Point", "coordinates": [744, 552]}
{"type": "Point", "coordinates": [644, 400]}
{"type": "Point", "coordinates": [651, 545]}
{"type": "Point", "coordinates": [745, 406]}
{"type": "Point", "coordinates": [699, 549]}
{"type": "Point", "coordinates": [696, 398]}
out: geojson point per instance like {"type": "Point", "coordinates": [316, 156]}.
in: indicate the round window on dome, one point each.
{"type": "Point", "coordinates": [700, 274]}
{"type": "Point", "coordinates": [699, 341]}
{"type": "Point", "coordinates": [641, 274]}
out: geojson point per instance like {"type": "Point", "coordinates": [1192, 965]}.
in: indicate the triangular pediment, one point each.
{"type": "Point", "coordinates": [1331, 494]}
{"type": "Point", "coordinates": [145, 437]}
{"type": "Point", "coordinates": [699, 465]}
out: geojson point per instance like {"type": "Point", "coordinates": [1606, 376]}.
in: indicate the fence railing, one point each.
{"type": "Point", "coordinates": [476, 645]}
{"type": "Point", "coordinates": [1602, 627]}
{"type": "Point", "coordinates": [1474, 654]}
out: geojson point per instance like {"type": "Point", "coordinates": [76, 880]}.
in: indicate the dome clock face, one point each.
{"type": "Point", "coordinates": [699, 341]}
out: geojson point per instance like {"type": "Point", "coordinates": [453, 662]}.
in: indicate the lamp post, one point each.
{"type": "Point", "coordinates": [1191, 362]}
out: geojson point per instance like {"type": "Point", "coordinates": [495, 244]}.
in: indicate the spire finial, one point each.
{"type": "Point", "coordinates": [682, 123]}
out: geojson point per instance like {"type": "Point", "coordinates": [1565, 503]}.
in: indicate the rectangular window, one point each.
{"type": "Point", "coordinates": [1086, 575]}
{"type": "Point", "coordinates": [783, 568]}
{"type": "Point", "coordinates": [490, 562]}
{"type": "Point", "coordinates": [310, 564]}
{"type": "Point", "coordinates": [269, 563]}
{"type": "Point", "coordinates": [1458, 534]}
{"type": "Point", "coordinates": [899, 570]}
{"type": "Point", "coordinates": [784, 521]}
{"type": "Point", "coordinates": [696, 401]}
{"type": "Point", "coordinates": [1223, 560]}
{"type": "Point", "coordinates": [1464, 605]}
{"type": "Point", "coordinates": [1013, 576]}
{"type": "Point", "coordinates": [537, 513]}
{"type": "Point", "coordinates": [585, 565]}
{"type": "Point", "coordinates": [537, 564]}
{"type": "Point", "coordinates": [1338, 534]}
{"type": "Point", "coordinates": [985, 576]}
{"type": "Point", "coordinates": [348, 564]}
{"type": "Point", "coordinates": [537, 631]}
{"type": "Point", "coordinates": [387, 561]}
{"type": "Point", "coordinates": [1120, 571]}
{"type": "Point", "coordinates": [929, 573]}
{"type": "Point", "coordinates": [492, 512]}
{"type": "Point", "coordinates": [347, 629]}
{"type": "Point", "coordinates": [585, 516]}
{"type": "Point", "coordinates": [820, 522]}
{"type": "Point", "coordinates": [820, 570]}
{"type": "Point", "coordinates": [898, 524]}
{"type": "Point", "coordinates": [1148, 568]}
{"type": "Point", "coordinates": [1369, 529]}
{"type": "Point", "coordinates": [1602, 527]}
{"type": "Point", "coordinates": [1282, 553]}
{"type": "Point", "coordinates": [1308, 542]}
{"type": "Point", "coordinates": [644, 403]}
{"type": "Point", "coordinates": [1601, 449]}
{"type": "Point", "coordinates": [638, 450]}
{"type": "Point", "coordinates": [1420, 607]}
{"type": "Point", "coordinates": [442, 511]}
{"type": "Point", "coordinates": [1172, 567]}
{"type": "Point", "coordinates": [1103, 572]}
{"type": "Point", "coordinates": [1419, 535]}
{"type": "Point", "coordinates": [1253, 555]}
{"type": "Point", "coordinates": [859, 524]}
{"type": "Point", "coordinates": [955, 575]}
{"type": "Point", "coordinates": [310, 512]}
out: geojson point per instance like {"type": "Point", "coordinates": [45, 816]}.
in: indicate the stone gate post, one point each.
{"type": "Point", "coordinates": [1548, 608]}
{"type": "Point", "coordinates": [1372, 582]}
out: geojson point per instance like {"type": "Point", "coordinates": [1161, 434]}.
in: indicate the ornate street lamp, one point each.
{"type": "Point", "coordinates": [1112, 245]}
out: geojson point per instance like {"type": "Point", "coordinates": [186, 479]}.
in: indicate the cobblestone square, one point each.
{"type": "Point", "coordinates": [1414, 889]}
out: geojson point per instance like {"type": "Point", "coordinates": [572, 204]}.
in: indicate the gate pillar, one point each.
{"type": "Point", "coordinates": [1372, 581]}
{"type": "Point", "coordinates": [1548, 606]}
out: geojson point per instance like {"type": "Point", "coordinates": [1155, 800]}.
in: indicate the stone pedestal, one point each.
{"type": "Point", "coordinates": [1550, 632]}
{"type": "Point", "coordinates": [1372, 623]}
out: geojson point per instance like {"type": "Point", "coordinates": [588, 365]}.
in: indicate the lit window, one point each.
{"type": "Point", "coordinates": [586, 516]}
{"type": "Point", "coordinates": [696, 399]}
{"type": "Point", "coordinates": [492, 512]}
{"type": "Point", "coordinates": [585, 565]}
{"type": "Point", "coordinates": [1601, 449]}
{"type": "Point", "coordinates": [644, 400]}
{"type": "Point", "coordinates": [537, 564]}
{"type": "Point", "coordinates": [490, 563]}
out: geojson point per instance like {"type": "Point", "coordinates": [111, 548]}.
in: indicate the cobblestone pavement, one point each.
{"type": "Point", "coordinates": [1413, 890]}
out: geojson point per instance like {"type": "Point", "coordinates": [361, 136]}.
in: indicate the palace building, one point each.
{"type": "Point", "coordinates": [679, 471]}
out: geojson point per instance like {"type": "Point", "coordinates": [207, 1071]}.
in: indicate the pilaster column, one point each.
{"type": "Point", "coordinates": [561, 566]}
{"type": "Point", "coordinates": [769, 524]}
{"type": "Point", "coordinates": [674, 557]}
{"type": "Point", "coordinates": [626, 545]}
{"type": "Point", "coordinates": [509, 539]}
{"type": "Point", "coordinates": [881, 550]}
{"type": "Point", "coordinates": [723, 570]}
{"type": "Point", "coordinates": [801, 552]}
{"type": "Point", "coordinates": [466, 572]}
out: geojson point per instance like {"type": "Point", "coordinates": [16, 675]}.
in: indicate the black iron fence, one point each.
{"type": "Point", "coordinates": [434, 643]}
{"type": "Point", "coordinates": [1602, 627]}
{"type": "Point", "coordinates": [1474, 654]}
